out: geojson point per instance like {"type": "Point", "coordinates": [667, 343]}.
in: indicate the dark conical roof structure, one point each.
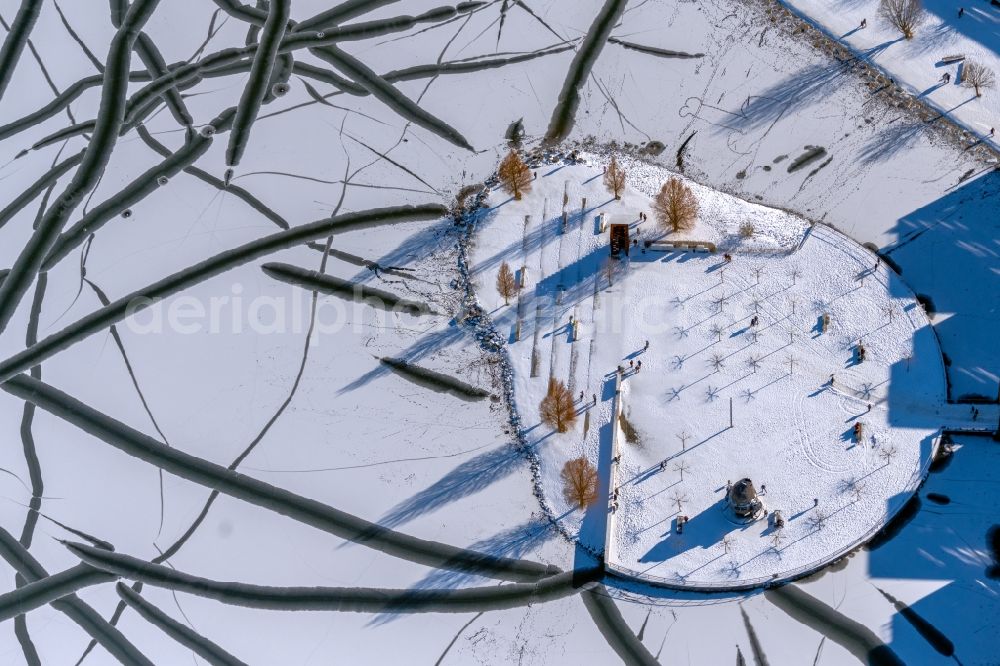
{"type": "Point", "coordinates": [742, 492]}
{"type": "Point", "coordinates": [743, 498]}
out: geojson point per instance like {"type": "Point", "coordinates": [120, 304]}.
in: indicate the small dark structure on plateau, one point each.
{"type": "Point", "coordinates": [619, 239]}
{"type": "Point", "coordinates": [743, 499]}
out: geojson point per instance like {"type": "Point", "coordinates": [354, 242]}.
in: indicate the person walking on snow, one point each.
{"type": "Point", "coordinates": [646, 347]}
{"type": "Point", "coordinates": [961, 10]}
{"type": "Point", "coordinates": [638, 366]}
{"type": "Point", "coordinates": [864, 23]}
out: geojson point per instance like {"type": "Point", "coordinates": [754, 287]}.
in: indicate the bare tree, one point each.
{"type": "Point", "coordinates": [903, 15]}
{"type": "Point", "coordinates": [579, 482]}
{"type": "Point", "coordinates": [889, 311]}
{"type": "Point", "coordinates": [776, 538]}
{"type": "Point", "coordinates": [506, 284]}
{"type": "Point", "coordinates": [514, 174]}
{"type": "Point", "coordinates": [557, 409]}
{"type": "Point", "coordinates": [681, 467]}
{"type": "Point", "coordinates": [977, 76]}
{"type": "Point", "coordinates": [675, 206]}
{"type": "Point", "coordinates": [711, 394]}
{"type": "Point", "coordinates": [790, 359]}
{"type": "Point", "coordinates": [717, 330]}
{"type": "Point", "coordinates": [679, 499]}
{"type": "Point", "coordinates": [614, 178]}
{"type": "Point", "coordinates": [817, 521]}
{"type": "Point", "coordinates": [717, 361]}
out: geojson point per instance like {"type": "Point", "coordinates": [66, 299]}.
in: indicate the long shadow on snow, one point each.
{"type": "Point", "coordinates": [799, 91]}
{"type": "Point", "coordinates": [467, 479]}
{"type": "Point", "coordinates": [960, 229]}
{"type": "Point", "coordinates": [302, 509]}
{"type": "Point", "coordinates": [980, 22]}
{"type": "Point", "coordinates": [891, 141]}
{"type": "Point", "coordinates": [515, 542]}
{"type": "Point", "coordinates": [424, 347]}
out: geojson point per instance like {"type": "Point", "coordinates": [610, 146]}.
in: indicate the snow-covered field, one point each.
{"type": "Point", "coordinates": [792, 431]}
{"type": "Point", "coordinates": [319, 415]}
{"type": "Point", "coordinates": [917, 63]}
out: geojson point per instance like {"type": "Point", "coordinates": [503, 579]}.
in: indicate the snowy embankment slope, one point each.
{"type": "Point", "coordinates": [916, 64]}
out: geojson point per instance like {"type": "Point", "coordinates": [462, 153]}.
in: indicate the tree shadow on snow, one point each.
{"type": "Point", "coordinates": [467, 479]}
{"type": "Point", "coordinates": [799, 91]}
{"type": "Point", "coordinates": [515, 543]}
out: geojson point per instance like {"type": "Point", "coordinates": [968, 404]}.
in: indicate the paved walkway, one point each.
{"type": "Point", "coordinates": [960, 417]}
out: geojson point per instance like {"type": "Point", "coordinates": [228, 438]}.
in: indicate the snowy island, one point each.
{"type": "Point", "coordinates": [748, 355]}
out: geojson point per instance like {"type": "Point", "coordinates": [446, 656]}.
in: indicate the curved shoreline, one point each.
{"type": "Point", "coordinates": [492, 342]}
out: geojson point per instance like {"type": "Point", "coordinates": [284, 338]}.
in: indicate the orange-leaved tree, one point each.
{"type": "Point", "coordinates": [514, 174]}
{"type": "Point", "coordinates": [579, 482]}
{"type": "Point", "coordinates": [557, 409]}
{"type": "Point", "coordinates": [614, 178]}
{"type": "Point", "coordinates": [675, 206]}
{"type": "Point", "coordinates": [506, 284]}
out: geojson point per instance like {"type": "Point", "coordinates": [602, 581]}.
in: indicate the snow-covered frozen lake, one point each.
{"type": "Point", "coordinates": [304, 451]}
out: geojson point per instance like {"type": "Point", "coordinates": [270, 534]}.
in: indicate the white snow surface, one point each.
{"type": "Point", "coordinates": [916, 63]}
{"type": "Point", "coordinates": [368, 441]}
{"type": "Point", "coordinates": [792, 432]}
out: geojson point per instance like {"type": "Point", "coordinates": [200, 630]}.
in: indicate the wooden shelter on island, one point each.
{"type": "Point", "coordinates": [619, 239]}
